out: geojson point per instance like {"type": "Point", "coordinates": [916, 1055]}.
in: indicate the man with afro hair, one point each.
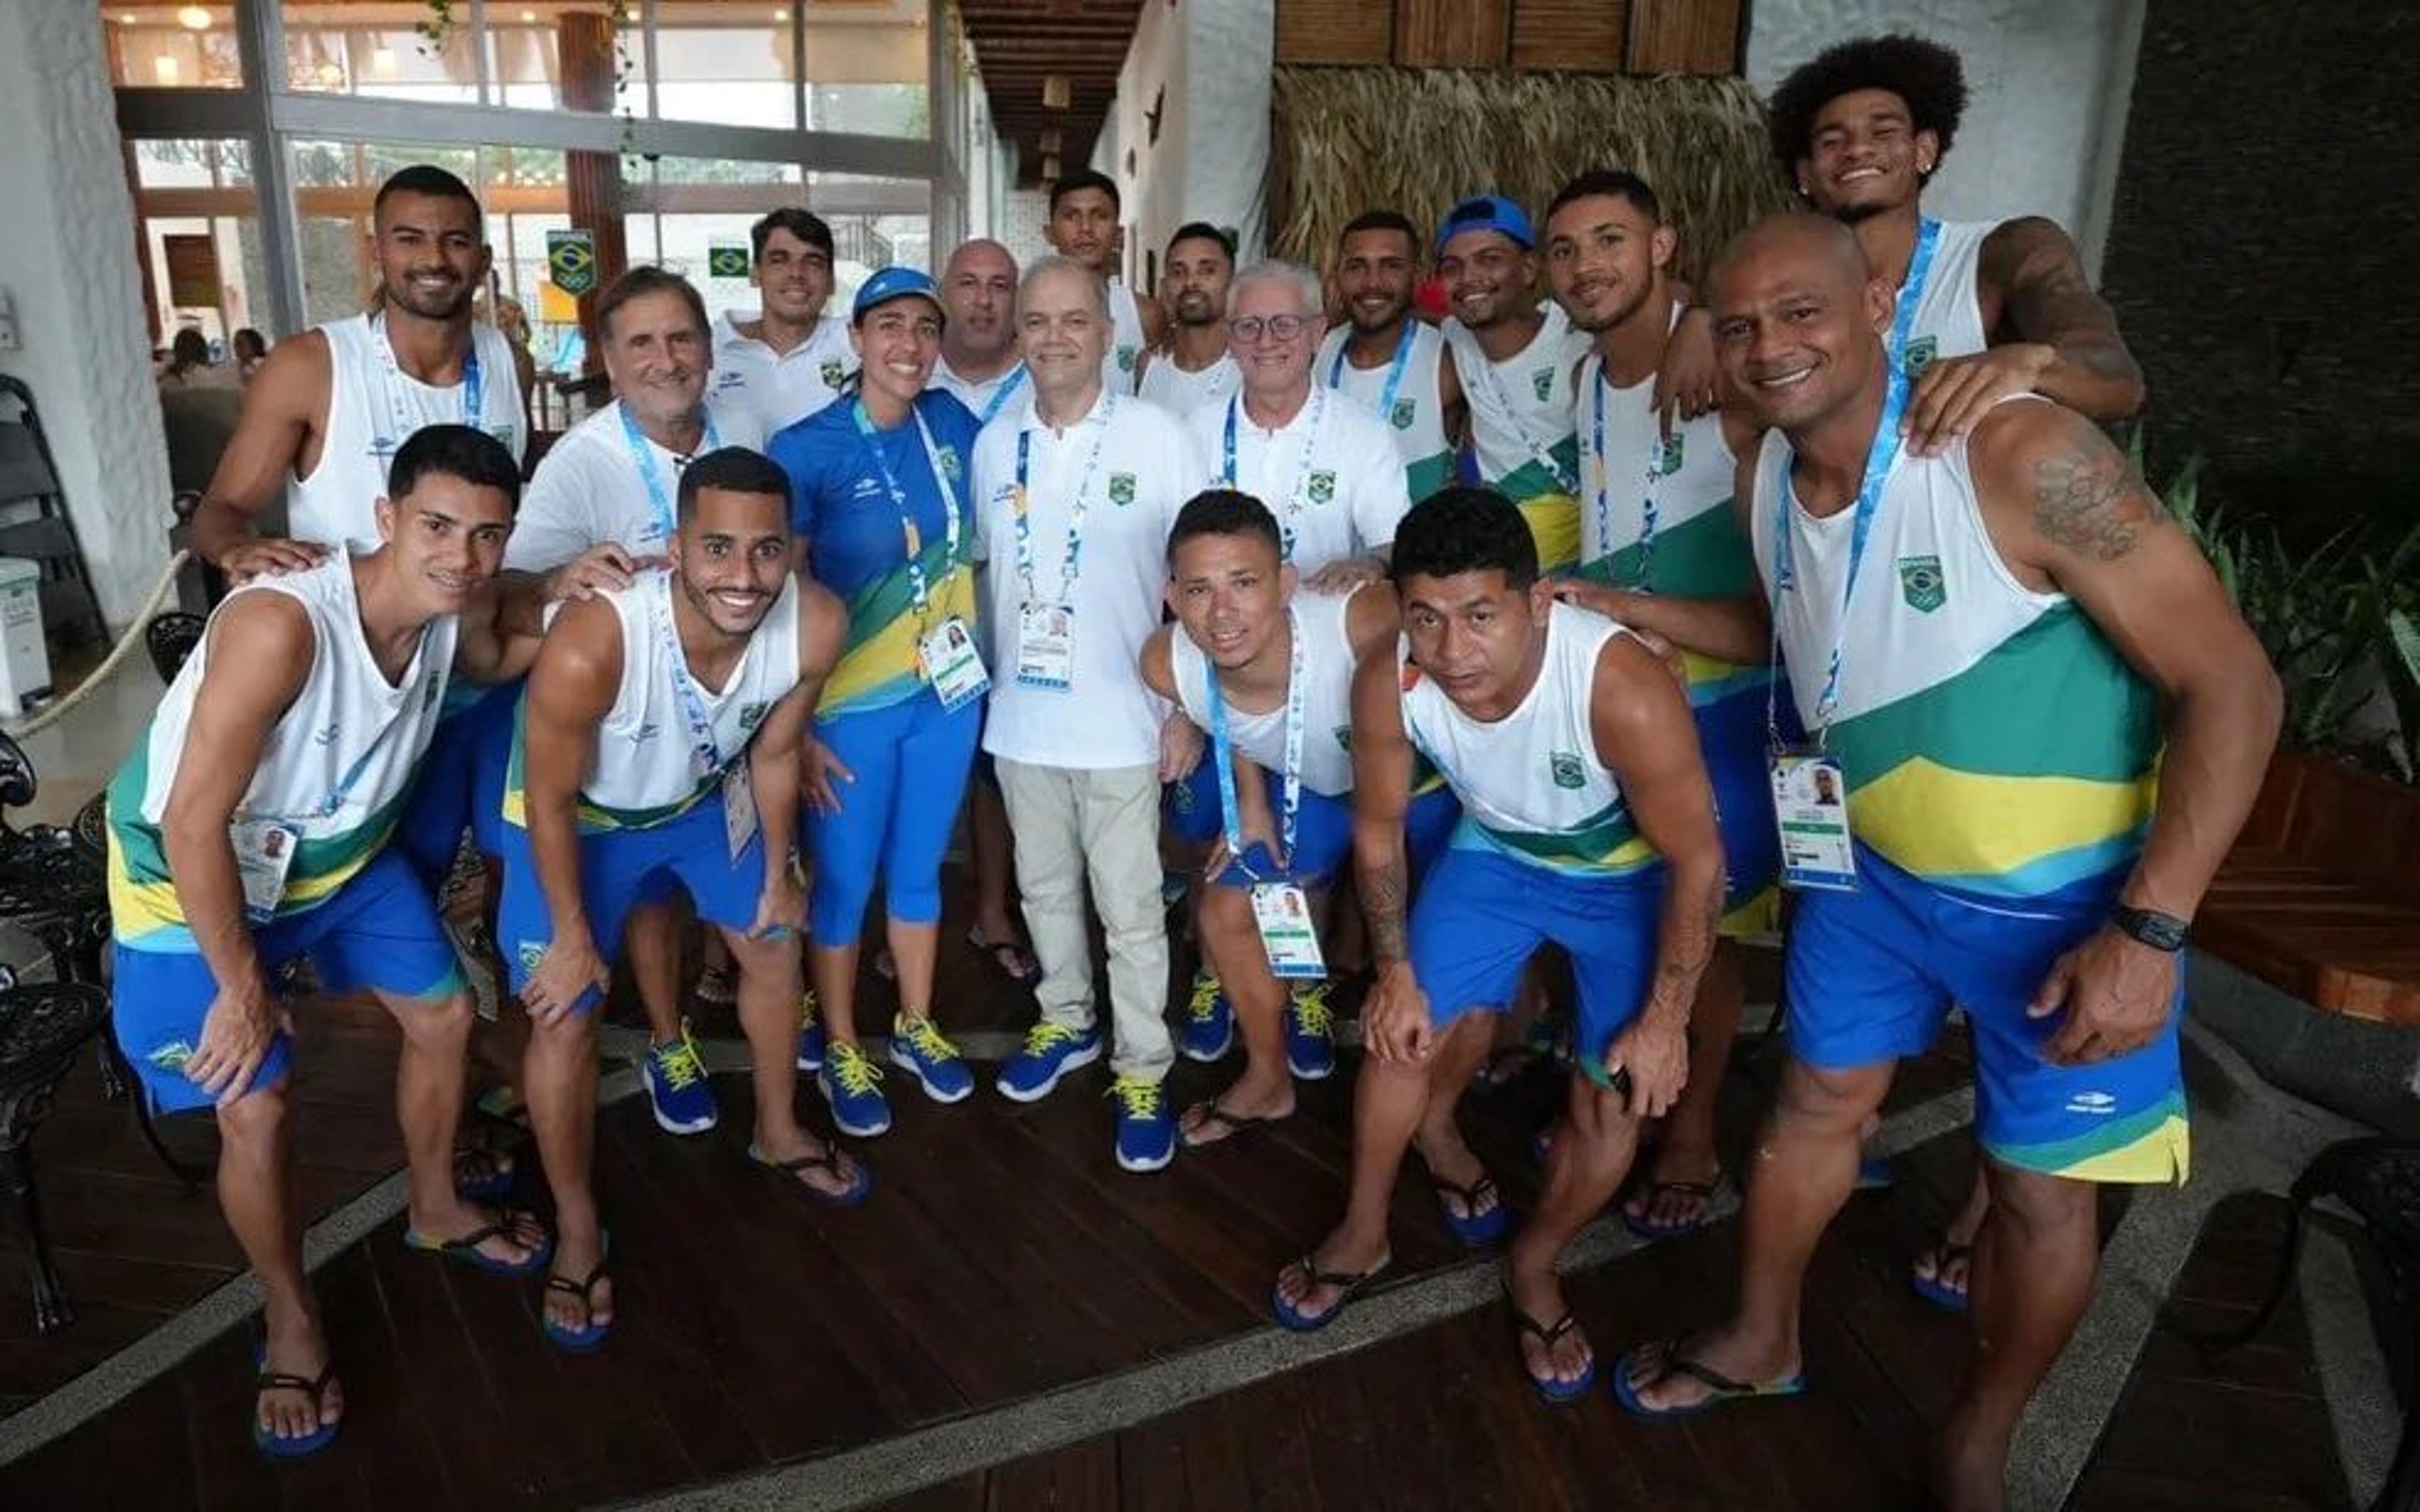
{"type": "Point", "coordinates": [2003, 307]}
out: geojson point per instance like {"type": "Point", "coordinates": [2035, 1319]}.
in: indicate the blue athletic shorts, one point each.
{"type": "Point", "coordinates": [1428, 824]}
{"type": "Point", "coordinates": [460, 784]}
{"type": "Point", "coordinates": [1732, 738]}
{"type": "Point", "coordinates": [619, 869]}
{"type": "Point", "coordinates": [1323, 839]}
{"type": "Point", "coordinates": [1872, 973]}
{"type": "Point", "coordinates": [1479, 916]}
{"type": "Point", "coordinates": [377, 932]}
{"type": "Point", "coordinates": [1323, 830]}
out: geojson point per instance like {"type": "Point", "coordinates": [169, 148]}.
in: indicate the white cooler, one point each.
{"type": "Point", "coordinates": [24, 656]}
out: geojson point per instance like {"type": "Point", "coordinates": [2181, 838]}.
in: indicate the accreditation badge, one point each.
{"type": "Point", "coordinates": [1045, 647]}
{"type": "Point", "coordinates": [1810, 803]}
{"type": "Point", "coordinates": [1289, 935]}
{"type": "Point", "coordinates": [952, 663]}
{"type": "Point", "coordinates": [264, 851]}
{"type": "Point", "coordinates": [738, 809]}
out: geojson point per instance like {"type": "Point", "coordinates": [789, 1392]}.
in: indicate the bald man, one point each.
{"type": "Point", "coordinates": [979, 361]}
{"type": "Point", "coordinates": [979, 364]}
{"type": "Point", "coordinates": [2048, 722]}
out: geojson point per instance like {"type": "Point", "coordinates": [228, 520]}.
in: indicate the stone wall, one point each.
{"type": "Point", "coordinates": [67, 255]}
{"type": "Point", "coordinates": [2262, 251]}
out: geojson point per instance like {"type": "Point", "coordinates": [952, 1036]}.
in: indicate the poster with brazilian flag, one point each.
{"type": "Point", "coordinates": [571, 261]}
{"type": "Point", "coordinates": [727, 260]}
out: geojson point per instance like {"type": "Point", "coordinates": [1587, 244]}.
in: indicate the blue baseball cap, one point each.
{"type": "Point", "coordinates": [893, 283]}
{"type": "Point", "coordinates": [1487, 212]}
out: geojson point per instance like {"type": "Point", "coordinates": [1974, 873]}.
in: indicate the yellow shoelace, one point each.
{"type": "Point", "coordinates": [1044, 1038]}
{"type": "Point", "coordinates": [807, 1009]}
{"type": "Point", "coordinates": [926, 1036]}
{"type": "Point", "coordinates": [1311, 1010]}
{"type": "Point", "coordinates": [1141, 1099]}
{"type": "Point", "coordinates": [851, 1070]}
{"type": "Point", "coordinates": [1206, 997]}
{"type": "Point", "coordinates": [676, 1059]}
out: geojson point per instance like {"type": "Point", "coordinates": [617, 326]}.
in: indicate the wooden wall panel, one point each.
{"type": "Point", "coordinates": [1453, 34]}
{"type": "Point", "coordinates": [1684, 36]}
{"type": "Point", "coordinates": [1335, 31]}
{"type": "Point", "coordinates": [1570, 36]}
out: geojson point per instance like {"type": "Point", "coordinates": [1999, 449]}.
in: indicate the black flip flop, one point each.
{"type": "Point", "coordinates": [1235, 1124]}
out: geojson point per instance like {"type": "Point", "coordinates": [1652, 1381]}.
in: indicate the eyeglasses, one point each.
{"type": "Point", "coordinates": [1283, 326]}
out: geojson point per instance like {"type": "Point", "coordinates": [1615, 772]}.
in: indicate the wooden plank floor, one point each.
{"type": "Point", "coordinates": [1004, 1256]}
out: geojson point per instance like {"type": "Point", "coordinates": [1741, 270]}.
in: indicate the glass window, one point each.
{"type": "Point", "coordinates": [389, 51]}
{"type": "Point", "coordinates": [547, 55]}
{"type": "Point", "coordinates": [868, 67]}
{"type": "Point", "coordinates": [172, 47]}
{"type": "Point", "coordinates": [700, 203]}
{"type": "Point", "coordinates": [736, 64]}
{"type": "Point", "coordinates": [874, 222]}
{"type": "Point", "coordinates": [200, 228]}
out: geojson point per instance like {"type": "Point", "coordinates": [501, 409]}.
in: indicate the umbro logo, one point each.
{"type": "Point", "coordinates": [325, 737]}
{"type": "Point", "coordinates": [2094, 1102]}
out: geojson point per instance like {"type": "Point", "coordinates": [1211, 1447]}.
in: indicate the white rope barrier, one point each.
{"type": "Point", "coordinates": [109, 664]}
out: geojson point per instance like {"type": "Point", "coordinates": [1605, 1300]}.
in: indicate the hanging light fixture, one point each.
{"type": "Point", "coordinates": [1049, 167]}
{"type": "Point", "coordinates": [1055, 93]}
{"type": "Point", "coordinates": [194, 18]}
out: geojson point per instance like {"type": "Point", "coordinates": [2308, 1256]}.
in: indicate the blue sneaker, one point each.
{"type": "Point", "coordinates": [918, 1047]}
{"type": "Point", "coordinates": [1147, 1129]}
{"type": "Point", "coordinates": [853, 1086]}
{"type": "Point", "coordinates": [1209, 1021]}
{"type": "Point", "coordinates": [1311, 1033]}
{"type": "Point", "coordinates": [810, 1035]}
{"type": "Point", "coordinates": [1050, 1052]}
{"type": "Point", "coordinates": [678, 1092]}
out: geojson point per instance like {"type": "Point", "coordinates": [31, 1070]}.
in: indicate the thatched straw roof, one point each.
{"type": "Point", "coordinates": [1419, 139]}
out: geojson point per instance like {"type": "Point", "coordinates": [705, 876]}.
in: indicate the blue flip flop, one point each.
{"type": "Point", "coordinates": [1932, 1288]}
{"type": "Point", "coordinates": [1724, 1388]}
{"type": "Point", "coordinates": [278, 1446]}
{"type": "Point", "coordinates": [1874, 1174]}
{"type": "Point", "coordinates": [1550, 1391]}
{"type": "Point", "coordinates": [466, 1249]}
{"type": "Point", "coordinates": [1475, 1228]}
{"type": "Point", "coordinates": [829, 1161]}
{"type": "Point", "coordinates": [1644, 1227]}
{"type": "Point", "coordinates": [1347, 1282]}
{"type": "Point", "coordinates": [591, 1333]}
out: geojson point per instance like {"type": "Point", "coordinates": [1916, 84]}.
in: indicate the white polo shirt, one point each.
{"type": "Point", "coordinates": [1331, 475]}
{"type": "Point", "coordinates": [779, 389]}
{"type": "Point", "coordinates": [1008, 393]}
{"type": "Point", "coordinates": [588, 489]}
{"type": "Point", "coordinates": [1132, 489]}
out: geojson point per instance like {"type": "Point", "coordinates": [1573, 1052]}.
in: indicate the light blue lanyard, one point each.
{"type": "Point", "coordinates": [919, 592]}
{"type": "Point", "coordinates": [1222, 749]}
{"type": "Point", "coordinates": [1881, 454]}
{"type": "Point", "coordinates": [1504, 402]}
{"type": "Point", "coordinates": [474, 388]}
{"type": "Point", "coordinates": [644, 457]}
{"type": "Point", "coordinates": [1021, 508]}
{"type": "Point", "coordinates": [1302, 467]}
{"type": "Point", "coordinates": [703, 747]}
{"type": "Point", "coordinates": [1008, 385]}
{"type": "Point", "coordinates": [1647, 509]}
{"type": "Point", "coordinates": [1394, 369]}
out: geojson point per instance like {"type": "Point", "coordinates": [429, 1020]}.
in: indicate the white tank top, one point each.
{"type": "Point", "coordinates": [1181, 393]}
{"type": "Point", "coordinates": [1414, 416]}
{"type": "Point", "coordinates": [1627, 465]}
{"type": "Point", "coordinates": [1522, 406]}
{"type": "Point", "coordinates": [1949, 315]}
{"type": "Point", "coordinates": [653, 762]}
{"type": "Point", "coordinates": [1321, 619]}
{"type": "Point", "coordinates": [335, 771]}
{"type": "Point", "coordinates": [1127, 340]}
{"type": "Point", "coordinates": [1531, 786]}
{"type": "Point", "coordinates": [1994, 741]}
{"type": "Point", "coordinates": [373, 409]}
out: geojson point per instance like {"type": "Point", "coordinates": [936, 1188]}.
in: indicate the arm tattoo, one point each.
{"type": "Point", "coordinates": [2091, 504]}
{"type": "Point", "coordinates": [1686, 947]}
{"type": "Point", "coordinates": [1383, 890]}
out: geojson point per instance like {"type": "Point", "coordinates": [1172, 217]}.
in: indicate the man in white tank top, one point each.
{"type": "Point", "coordinates": [2040, 874]}
{"type": "Point", "coordinates": [329, 407]}
{"type": "Point", "coordinates": [687, 775]}
{"type": "Point", "coordinates": [2008, 309]}
{"type": "Point", "coordinates": [1514, 363]}
{"type": "Point", "coordinates": [2005, 307]}
{"type": "Point", "coordinates": [791, 359]}
{"type": "Point", "coordinates": [250, 828]}
{"type": "Point", "coordinates": [1587, 823]}
{"type": "Point", "coordinates": [1241, 622]}
{"type": "Point", "coordinates": [1662, 551]}
{"type": "Point", "coordinates": [1386, 355]}
{"type": "Point", "coordinates": [1195, 369]}
{"type": "Point", "coordinates": [1083, 225]}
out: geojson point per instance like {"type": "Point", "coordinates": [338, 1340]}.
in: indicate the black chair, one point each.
{"type": "Point", "coordinates": [44, 1027]}
{"type": "Point", "coordinates": [170, 638]}
{"type": "Point", "coordinates": [2378, 1177]}
{"type": "Point", "coordinates": [55, 886]}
